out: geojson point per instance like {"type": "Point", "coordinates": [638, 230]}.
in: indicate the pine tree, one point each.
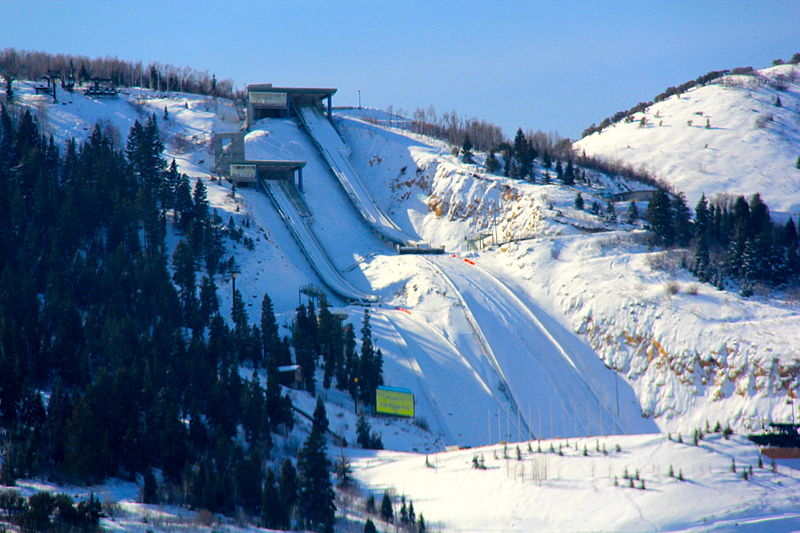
{"type": "Point", "coordinates": [702, 218]}
{"type": "Point", "coordinates": [370, 371]}
{"type": "Point", "coordinates": [702, 260]}
{"type": "Point", "coordinates": [288, 487]}
{"type": "Point", "coordinates": [273, 513]}
{"type": "Point", "coordinates": [387, 511]}
{"type": "Point", "coordinates": [209, 302]}
{"type": "Point", "coordinates": [466, 150]}
{"type": "Point", "coordinates": [403, 510]}
{"type": "Point", "coordinates": [660, 218]}
{"type": "Point", "coordinates": [508, 164]}
{"type": "Point", "coordinates": [681, 220]}
{"type": "Point", "coordinates": [523, 155]}
{"type": "Point", "coordinates": [546, 161]}
{"type": "Point", "coordinates": [172, 445]}
{"type": "Point", "coordinates": [320, 418]}
{"type": "Point", "coordinates": [611, 213]}
{"type": "Point", "coordinates": [201, 222]}
{"type": "Point", "coordinates": [269, 331]}
{"type": "Point", "coordinates": [578, 201]}
{"type": "Point", "coordinates": [633, 213]}
{"type": "Point", "coordinates": [789, 234]}
{"type": "Point", "coordinates": [184, 277]}
{"type": "Point", "coordinates": [149, 488]}
{"type": "Point", "coordinates": [304, 339]}
{"type": "Point", "coordinates": [569, 174]}
{"type": "Point", "coordinates": [492, 164]}
{"type": "Point", "coordinates": [315, 490]}
{"type": "Point", "coordinates": [750, 268]}
{"type": "Point", "coordinates": [329, 341]}
{"type": "Point", "coordinates": [183, 203]}
{"type": "Point", "coordinates": [344, 371]}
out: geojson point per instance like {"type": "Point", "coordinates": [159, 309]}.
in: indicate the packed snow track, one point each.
{"type": "Point", "coordinates": [544, 380]}
{"type": "Point", "coordinates": [310, 246]}
{"type": "Point", "coordinates": [334, 152]}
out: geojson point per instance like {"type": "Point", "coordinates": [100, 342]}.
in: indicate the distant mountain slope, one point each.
{"type": "Point", "coordinates": [725, 137]}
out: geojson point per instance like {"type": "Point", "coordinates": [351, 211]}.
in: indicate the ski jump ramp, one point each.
{"type": "Point", "coordinates": [310, 246]}
{"type": "Point", "coordinates": [335, 153]}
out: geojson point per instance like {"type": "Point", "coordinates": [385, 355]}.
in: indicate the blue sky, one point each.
{"type": "Point", "coordinates": [553, 66]}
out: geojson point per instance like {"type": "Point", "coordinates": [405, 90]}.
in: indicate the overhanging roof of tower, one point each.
{"type": "Point", "coordinates": [267, 164]}
{"type": "Point", "coordinates": [297, 95]}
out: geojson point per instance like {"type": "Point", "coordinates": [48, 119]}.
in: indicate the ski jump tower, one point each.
{"type": "Point", "coordinates": [264, 100]}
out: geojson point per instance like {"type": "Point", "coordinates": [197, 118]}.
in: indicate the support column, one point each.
{"type": "Point", "coordinates": [330, 107]}
{"type": "Point", "coordinates": [300, 179]}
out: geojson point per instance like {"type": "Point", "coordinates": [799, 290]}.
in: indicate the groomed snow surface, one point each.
{"type": "Point", "coordinates": [545, 491]}
{"type": "Point", "coordinates": [518, 340]}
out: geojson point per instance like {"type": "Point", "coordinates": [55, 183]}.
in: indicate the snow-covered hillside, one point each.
{"type": "Point", "coordinates": [577, 490]}
{"type": "Point", "coordinates": [542, 319]}
{"type": "Point", "coordinates": [692, 353]}
{"type": "Point", "coordinates": [725, 137]}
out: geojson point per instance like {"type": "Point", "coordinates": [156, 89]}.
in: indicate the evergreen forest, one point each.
{"type": "Point", "coordinates": [115, 357]}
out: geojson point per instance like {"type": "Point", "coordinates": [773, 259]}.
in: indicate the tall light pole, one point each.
{"type": "Point", "coordinates": [359, 98]}
{"type": "Point", "coordinates": [355, 381]}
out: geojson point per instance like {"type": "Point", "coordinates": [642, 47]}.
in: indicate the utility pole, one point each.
{"type": "Point", "coordinates": [233, 283]}
{"type": "Point", "coordinates": [359, 98]}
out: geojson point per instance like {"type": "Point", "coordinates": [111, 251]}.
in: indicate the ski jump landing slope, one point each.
{"type": "Point", "coordinates": [310, 246]}
{"type": "Point", "coordinates": [552, 382]}
{"type": "Point", "coordinates": [333, 150]}
{"type": "Point", "coordinates": [451, 394]}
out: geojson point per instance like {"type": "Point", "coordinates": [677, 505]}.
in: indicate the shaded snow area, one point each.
{"type": "Point", "coordinates": [540, 320]}
{"type": "Point", "coordinates": [575, 490]}
{"type": "Point", "coordinates": [690, 352]}
{"type": "Point", "coordinates": [726, 137]}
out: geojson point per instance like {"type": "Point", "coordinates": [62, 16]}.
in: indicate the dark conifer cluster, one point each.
{"type": "Point", "coordinates": [321, 339]}
{"type": "Point", "coordinates": [519, 159]}
{"type": "Point", "coordinates": [113, 364]}
{"type": "Point", "coordinates": [732, 240]}
{"type": "Point", "coordinates": [43, 511]}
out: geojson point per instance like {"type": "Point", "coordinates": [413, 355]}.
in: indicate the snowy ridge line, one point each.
{"type": "Point", "coordinates": [312, 121]}
{"type": "Point", "coordinates": [422, 384]}
{"type": "Point", "coordinates": [485, 348]}
{"type": "Point", "coordinates": [311, 247]}
{"type": "Point", "coordinates": [552, 339]}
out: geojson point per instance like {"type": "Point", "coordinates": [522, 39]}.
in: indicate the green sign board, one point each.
{"type": "Point", "coordinates": [394, 401]}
